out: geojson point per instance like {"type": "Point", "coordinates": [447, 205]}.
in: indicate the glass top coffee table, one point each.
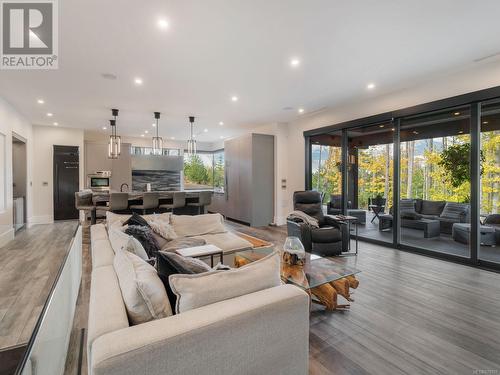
{"type": "Point", "coordinates": [323, 278]}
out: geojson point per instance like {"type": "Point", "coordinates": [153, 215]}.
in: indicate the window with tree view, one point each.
{"type": "Point", "coordinates": [205, 170]}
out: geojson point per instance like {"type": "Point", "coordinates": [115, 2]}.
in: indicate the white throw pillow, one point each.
{"type": "Point", "coordinates": [113, 219]}
{"type": "Point", "coordinates": [142, 290]}
{"type": "Point", "coordinates": [136, 248]}
{"type": "Point", "coordinates": [188, 226]}
{"type": "Point", "coordinates": [118, 238]}
{"type": "Point", "coordinates": [122, 241]}
{"type": "Point", "coordinates": [160, 224]}
{"type": "Point", "coordinates": [195, 291]}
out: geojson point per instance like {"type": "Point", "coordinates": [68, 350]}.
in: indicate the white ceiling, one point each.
{"type": "Point", "coordinates": [219, 48]}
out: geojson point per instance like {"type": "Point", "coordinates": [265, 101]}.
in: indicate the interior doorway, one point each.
{"type": "Point", "coordinates": [66, 182]}
{"type": "Point", "coordinates": [19, 181]}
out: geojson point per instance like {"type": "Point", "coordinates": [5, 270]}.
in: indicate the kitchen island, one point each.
{"type": "Point", "coordinates": [101, 198]}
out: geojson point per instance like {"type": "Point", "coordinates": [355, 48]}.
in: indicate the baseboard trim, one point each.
{"type": "Point", "coordinates": [6, 237]}
{"type": "Point", "coordinates": [42, 219]}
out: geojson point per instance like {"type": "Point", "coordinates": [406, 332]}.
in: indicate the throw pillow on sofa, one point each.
{"type": "Point", "coordinates": [145, 236]}
{"type": "Point", "coordinates": [136, 219]}
{"type": "Point", "coordinates": [171, 263]}
{"type": "Point", "coordinates": [193, 291]}
{"type": "Point", "coordinates": [455, 211]}
{"type": "Point", "coordinates": [122, 241]}
{"type": "Point", "coordinates": [113, 219]}
{"type": "Point", "coordinates": [142, 290]}
{"type": "Point", "coordinates": [189, 226]}
{"type": "Point", "coordinates": [432, 207]}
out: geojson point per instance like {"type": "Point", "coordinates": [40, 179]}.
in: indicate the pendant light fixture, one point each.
{"type": "Point", "coordinates": [157, 141]}
{"type": "Point", "coordinates": [191, 143]}
{"type": "Point", "coordinates": [115, 141]}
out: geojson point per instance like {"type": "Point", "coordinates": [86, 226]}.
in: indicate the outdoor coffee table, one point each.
{"type": "Point", "coordinates": [322, 278]}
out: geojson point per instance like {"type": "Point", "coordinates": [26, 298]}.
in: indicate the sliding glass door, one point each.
{"type": "Point", "coordinates": [326, 163]}
{"type": "Point", "coordinates": [370, 179]}
{"type": "Point", "coordinates": [434, 181]}
{"type": "Point", "coordinates": [489, 230]}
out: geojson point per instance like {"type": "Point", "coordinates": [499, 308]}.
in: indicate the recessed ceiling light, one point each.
{"type": "Point", "coordinates": [415, 132]}
{"type": "Point", "coordinates": [370, 86]}
{"type": "Point", "coordinates": [142, 135]}
{"type": "Point", "coordinates": [485, 122]}
{"type": "Point", "coordinates": [221, 123]}
{"type": "Point", "coordinates": [222, 137]}
{"type": "Point", "coordinates": [138, 81]}
{"type": "Point", "coordinates": [172, 138]}
{"type": "Point", "coordinates": [393, 129]}
{"type": "Point", "coordinates": [381, 126]}
{"type": "Point", "coordinates": [205, 130]}
{"type": "Point", "coordinates": [194, 135]}
{"type": "Point", "coordinates": [301, 110]}
{"type": "Point", "coordinates": [55, 123]}
{"type": "Point", "coordinates": [146, 131]}
{"type": "Point", "coordinates": [104, 128]}
{"type": "Point", "coordinates": [50, 114]}
{"type": "Point", "coordinates": [460, 132]}
{"type": "Point", "coordinates": [162, 24]}
{"type": "Point", "coordinates": [457, 113]}
{"type": "Point", "coordinates": [153, 125]}
{"type": "Point", "coordinates": [40, 101]}
{"type": "Point", "coordinates": [234, 98]}
{"type": "Point", "coordinates": [294, 62]}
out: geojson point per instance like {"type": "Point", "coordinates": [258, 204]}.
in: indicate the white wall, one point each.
{"type": "Point", "coordinates": [12, 121]}
{"type": "Point", "coordinates": [290, 146]}
{"type": "Point", "coordinates": [43, 150]}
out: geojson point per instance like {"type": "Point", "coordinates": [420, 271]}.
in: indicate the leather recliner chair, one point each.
{"type": "Point", "coordinates": [331, 238]}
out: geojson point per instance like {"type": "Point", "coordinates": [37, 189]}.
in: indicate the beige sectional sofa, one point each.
{"type": "Point", "coordinates": [265, 332]}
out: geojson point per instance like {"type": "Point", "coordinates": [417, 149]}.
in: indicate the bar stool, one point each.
{"type": "Point", "coordinates": [118, 203]}
{"type": "Point", "coordinates": [150, 201]}
{"type": "Point", "coordinates": [178, 200]}
{"type": "Point", "coordinates": [83, 202]}
{"type": "Point", "coordinates": [204, 199]}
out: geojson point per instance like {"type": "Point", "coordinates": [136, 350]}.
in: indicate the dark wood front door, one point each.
{"type": "Point", "coordinates": [66, 182]}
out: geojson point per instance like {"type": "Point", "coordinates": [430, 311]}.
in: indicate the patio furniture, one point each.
{"type": "Point", "coordinates": [384, 222]}
{"type": "Point", "coordinates": [358, 214]}
{"type": "Point", "coordinates": [377, 205]}
{"type": "Point", "coordinates": [331, 238]}
{"type": "Point", "coordinates": [493, 220]}
{"type": "Point", "coordinates": [430, 227]}
{"type": "Point", "coordinates": [461, 233]}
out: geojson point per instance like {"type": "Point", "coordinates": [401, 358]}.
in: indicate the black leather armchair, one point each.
{"type": "Point", "coordinates": [331, 238]}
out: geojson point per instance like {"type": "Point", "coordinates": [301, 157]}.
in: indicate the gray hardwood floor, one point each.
{"type": "Point", "coordinates": [412, 315]}
{"type": "Point", "coordinates": [28, 267]}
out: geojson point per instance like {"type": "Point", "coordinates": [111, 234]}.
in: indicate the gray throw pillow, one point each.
{"type": "Point", "coordinates": [432, 207]}
{"type": "Point", "coordinates": [183, 243]}
{"type": "Point", "coordinates": [454, 211]}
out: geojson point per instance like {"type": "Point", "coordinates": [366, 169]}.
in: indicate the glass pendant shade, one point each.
{"type": "Point", "coordinates": [115, 141]}
{"type": "Point", "coordinates": [157, 145]}
{"type": "Point", "coordinates": [191, 143]}
{"type": "Point", "coordinates": [114, 146]}
{"type": "Point", "coordinates": [191, 147]}
{"type": "Point", "coordinates": [157, 141]}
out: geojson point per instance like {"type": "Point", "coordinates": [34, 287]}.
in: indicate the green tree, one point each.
{"type": "Point", "coordinates": [195, 171]}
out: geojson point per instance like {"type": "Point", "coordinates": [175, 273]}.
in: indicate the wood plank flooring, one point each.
{"type": "Point", "coordinates": [28, 267]}
{"type": "Point", "coordinates": [412, 315]}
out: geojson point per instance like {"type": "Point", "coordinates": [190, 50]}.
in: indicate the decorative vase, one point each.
{"type": "Point", "coordinates": [293, 251]}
